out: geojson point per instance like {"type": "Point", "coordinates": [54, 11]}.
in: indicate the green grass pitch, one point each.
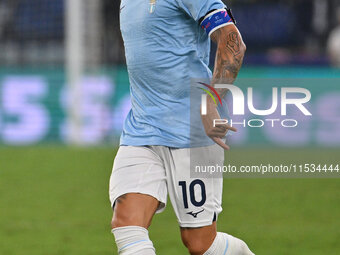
{"type": "Point", "coordinates": [54, 201]}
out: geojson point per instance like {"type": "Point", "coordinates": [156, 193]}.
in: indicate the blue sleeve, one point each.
{"type": "Point", "coordinates": [199, 8]}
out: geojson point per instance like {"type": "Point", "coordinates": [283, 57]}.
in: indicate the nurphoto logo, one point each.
{"type": "Point", "coordinates": [285, 99]}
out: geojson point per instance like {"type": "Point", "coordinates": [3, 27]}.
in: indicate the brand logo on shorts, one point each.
{"type": "Point", "coordinates": [195, 214]}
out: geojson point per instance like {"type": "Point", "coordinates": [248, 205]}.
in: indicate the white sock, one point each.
{"type": "Point", "coordinates": [225, 244]}
{"type": "Point", "coordinates": [133, 240]}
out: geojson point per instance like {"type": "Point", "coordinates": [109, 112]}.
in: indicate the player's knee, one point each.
{"type": "Point", "coordinates": [195, 245]}
{"type": "Point", "coordinates": [114, 223]}
{"type": "Point", "coordinates": [134, 210]}
{"type": "Point", "coordinates": [121, 219]}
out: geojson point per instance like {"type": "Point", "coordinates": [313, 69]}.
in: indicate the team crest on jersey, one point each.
{"type": "Point", "coordinates": [152, 5]}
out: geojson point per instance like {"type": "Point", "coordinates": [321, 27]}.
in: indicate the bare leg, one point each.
{"type": "Point", "coordinates": [134, 210]}
{"type": "Point", "coordinates": [198, 240]}
{"type": "Point", "coordinates": [131, 218]}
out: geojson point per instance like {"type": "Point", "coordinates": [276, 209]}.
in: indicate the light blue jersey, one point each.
{"type": "Point", "coordinates": [165, 48]}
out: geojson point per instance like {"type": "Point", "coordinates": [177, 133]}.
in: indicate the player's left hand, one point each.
{"type": "Point", "coordinates": [218, 131]}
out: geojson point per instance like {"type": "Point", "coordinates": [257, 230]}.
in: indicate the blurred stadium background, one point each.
{"type": "Point", "coordinates": [63, 82]}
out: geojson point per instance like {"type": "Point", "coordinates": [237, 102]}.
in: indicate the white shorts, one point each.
{"type": "Point", "coordinates": [159, 170]}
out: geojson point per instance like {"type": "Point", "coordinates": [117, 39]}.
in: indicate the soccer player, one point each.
{"type": "Point", "coordinates": [167, 43]}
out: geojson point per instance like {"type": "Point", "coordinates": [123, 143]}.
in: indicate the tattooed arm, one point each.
{"type": "Point", "coordinates": [229, 55]}
{"type": "Point", "coordinates": [229, 58]}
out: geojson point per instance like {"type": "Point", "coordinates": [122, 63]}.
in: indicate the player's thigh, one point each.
{"type": "Point", "coordinates": [137, 186]}
{"type": "Point", "coordinates": [196, 201]}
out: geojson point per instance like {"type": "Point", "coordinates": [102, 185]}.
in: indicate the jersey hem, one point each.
{"type": "Point", "coordinates": [137, 142]}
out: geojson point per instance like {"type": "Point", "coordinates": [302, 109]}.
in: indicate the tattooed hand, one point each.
{"type": "Point", "coordinates": [229, 58]}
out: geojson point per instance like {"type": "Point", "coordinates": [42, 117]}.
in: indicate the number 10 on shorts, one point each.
{"type": "Point", "coordinates": [192, 186]}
